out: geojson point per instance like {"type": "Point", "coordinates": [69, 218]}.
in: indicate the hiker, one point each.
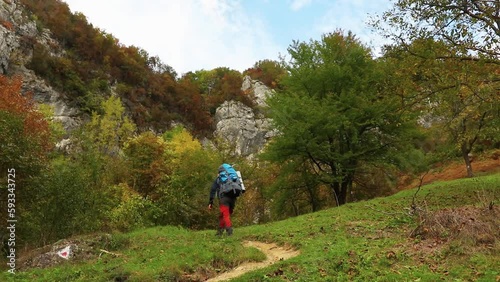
{"type": "Point", "coordinates": [228, 186]}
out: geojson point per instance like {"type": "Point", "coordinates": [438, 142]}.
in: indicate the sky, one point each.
{"type": "Point", "coordinates": [191, 35]}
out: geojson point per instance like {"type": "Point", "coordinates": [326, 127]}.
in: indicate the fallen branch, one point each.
{"type": "Point", "coordinates": [108, 252]}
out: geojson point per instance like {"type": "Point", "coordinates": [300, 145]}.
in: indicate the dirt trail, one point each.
{"type": "Point", "coordinates": [273, 252]}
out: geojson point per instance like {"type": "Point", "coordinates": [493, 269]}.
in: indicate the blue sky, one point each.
{"type": "Point", "coordinates": [190, 35]}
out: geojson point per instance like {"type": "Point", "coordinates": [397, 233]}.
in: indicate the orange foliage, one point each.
{"type": "Point", "coordinates": [268, 72]}
{"type": "Point", "coordinates": [8, 25]}
{"type": "Point", "coordinates": [36, 128]}
{"type": "Point", "coordinates": [192, 106]}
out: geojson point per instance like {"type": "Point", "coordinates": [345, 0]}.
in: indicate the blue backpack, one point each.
{"type": "Point", "coordinates": [229, 182]}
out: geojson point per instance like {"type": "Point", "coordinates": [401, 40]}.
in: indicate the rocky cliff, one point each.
{"type": "Point", "coordinates": [18, 33]}
{"type": "Point", "coordinates": [238, 124]}
{"type": "Point", "coordinates": [245, 129]}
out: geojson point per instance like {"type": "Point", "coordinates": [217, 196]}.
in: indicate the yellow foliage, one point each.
{"type": "Point", "coordinates": [111, 129]}
{"type": "Point", "coordinates": [183, 142]}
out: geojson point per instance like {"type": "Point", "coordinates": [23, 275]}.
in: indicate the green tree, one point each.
{"type": "Point", "coordinates": [70, 199]}
{"type": "Point", "coordinates": [334, 114]}
{"type": "Point", "coordinates": [206, 80]}
{"type": "Point", "coordinates": [112, 128]}
{"type": "Point", "coordinates": [302, 193]}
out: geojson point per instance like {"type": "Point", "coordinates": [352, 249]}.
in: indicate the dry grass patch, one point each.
{"type": "Point", "coordinates": [474, 227]}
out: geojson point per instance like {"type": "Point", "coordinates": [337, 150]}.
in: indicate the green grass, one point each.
{"type": "Point", "coordinates": [363, 241]}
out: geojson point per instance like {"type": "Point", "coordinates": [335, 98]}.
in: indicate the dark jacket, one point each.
{"type": "Point", "coordinates": [215, 191]}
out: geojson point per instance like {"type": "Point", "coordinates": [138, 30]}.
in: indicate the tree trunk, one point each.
{"type": "Point", "coordinates": [336, 192]}
{"type": "Point", "coordinates": [340, 190]}
{"type": "Point", "coordinates": [343, 192]}
{"type": "Point", "coordinates": [295, 209]}
{"type": "Point", "coordinates": [465, 154]}
{"type": "Point", "coordinates": [312, 199]}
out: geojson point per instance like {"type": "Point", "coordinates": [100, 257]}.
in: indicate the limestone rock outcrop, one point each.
{"type": "Point", "coordinates": [246, 129]}
{"type": "Point", "coordinates": [237, 123]}
{"type": "Point", "coordinates": [257, 89]}
{"type": "Point", "coordinates": [15, 53]}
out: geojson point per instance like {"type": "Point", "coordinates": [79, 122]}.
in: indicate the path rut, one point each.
{"type": "Point", "coordinates": [274, 253]}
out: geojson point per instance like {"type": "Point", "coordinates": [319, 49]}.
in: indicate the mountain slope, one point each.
{"type": "Point", "coordinates": [450, 234]}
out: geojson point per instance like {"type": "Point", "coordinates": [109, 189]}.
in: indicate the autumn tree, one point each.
{"type": "Point", "coordinates": [268, 72]}
{"type": "Point", "coordinates": [148, 160]}
{"type": "Point", "coordinates": [453, 47]}
{"type": "Point", "coordinates": [25, 146]}
{"type": "Point", "coordinates": [25, 133]}
{"type": "Point", "coordinates": [469, 26]}
{"type": "Point", "coordinates": [219, 85]}
{"type": "Point", "coordinates": [193, 106]}
{"type": "Point", "coordinates": [456, 97]}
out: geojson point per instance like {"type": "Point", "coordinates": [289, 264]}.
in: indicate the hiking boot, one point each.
{"type": "Point", "coordinates": [220, 232]}
{"type": "Point", "coordinates": [229, 231]}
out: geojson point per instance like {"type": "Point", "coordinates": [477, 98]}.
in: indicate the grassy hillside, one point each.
{"type": "Point", "coordinates": [451, 234]}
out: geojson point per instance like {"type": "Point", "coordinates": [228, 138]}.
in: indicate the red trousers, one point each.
{"type": "Point", "coordinates": [225, 216]}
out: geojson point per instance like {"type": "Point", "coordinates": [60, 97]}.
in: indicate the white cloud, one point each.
{"type": "Point", "coordinates": [186, 34]}
{"type": "Point", "coordinates": [299, 4]}
{"type": "Point", "coordinates": [349, 15]}
{"type": "Point", "coordinates": [204, 34]}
